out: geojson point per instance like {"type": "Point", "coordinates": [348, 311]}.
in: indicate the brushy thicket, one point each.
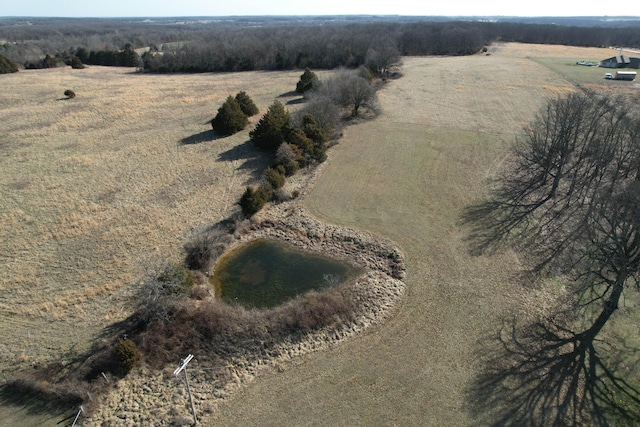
{"type": "Point", "coordinates": [205, 247]}
{"type": "Point", "coordinates": [161, 293]}
{"type": "Point", "coordinates": [221, 330]}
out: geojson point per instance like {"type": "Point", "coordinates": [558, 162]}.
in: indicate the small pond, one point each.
{"type": "Point", "coordinates": [265, 273]}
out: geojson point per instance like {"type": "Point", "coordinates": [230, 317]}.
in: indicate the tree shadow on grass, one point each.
{"type": "Point", "coordinates": [541, 374]}
{"type": "Point", "coordinates": [54, 403]}
{"type": "Point", "coordinates": [205, 136]}
{"type": "Point", "coordinates": [289, 94]}
{"type": "Point", "coordinates": [296, 101]}
{"type": "Point", "coordinates": [249, 157]}
{"type": "Point", "coordinates": [56, 390]}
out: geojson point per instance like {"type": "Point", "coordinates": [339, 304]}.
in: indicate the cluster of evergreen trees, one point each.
{"type": "Point", "coordinates": [301, 141]}
{"type": "Point", "coordinates": [234, 114]}
{"type": "Point", "coordinates": [77, 58]}
{"type": "Point", "coordinates": [293, 147]}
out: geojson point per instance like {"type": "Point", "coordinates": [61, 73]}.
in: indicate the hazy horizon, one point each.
{"type": "Point", "coordinates": [204, 8]}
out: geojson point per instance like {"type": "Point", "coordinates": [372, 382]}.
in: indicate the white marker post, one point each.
{"type": "Point", "coordinates": [77, 416]}
{"type": "Point", "coordinates": [183, 367]}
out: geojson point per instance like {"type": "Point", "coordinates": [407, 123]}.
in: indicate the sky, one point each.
{"type": "Point", "coordinates": [174, 8]}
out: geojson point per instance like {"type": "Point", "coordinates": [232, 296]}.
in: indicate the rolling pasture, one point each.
{"type": "Point", "coordinates": [100, 189]}
{"type": "Point", "coordinates": [407, 176]}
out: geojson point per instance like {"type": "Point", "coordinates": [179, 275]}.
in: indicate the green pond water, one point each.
{"type": "Point", "coordinates": [265, 273]}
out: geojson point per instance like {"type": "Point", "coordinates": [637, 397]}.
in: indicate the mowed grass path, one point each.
{"type": "Point", "coordinates": [407, 176]}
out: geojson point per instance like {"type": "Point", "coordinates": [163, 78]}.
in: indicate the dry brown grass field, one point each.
{"type": "Point", "coordinates": [98, 189]}
{"type": "Point", "coordinates": [95, 187]}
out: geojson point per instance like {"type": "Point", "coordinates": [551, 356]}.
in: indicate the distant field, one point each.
{"type": "Point", "coordinates": [98, 187]}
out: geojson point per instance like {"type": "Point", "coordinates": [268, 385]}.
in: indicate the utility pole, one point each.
{"type": "Point", "coordinates": [183, 367]}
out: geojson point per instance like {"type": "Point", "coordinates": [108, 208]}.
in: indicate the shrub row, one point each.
{"type": "Point", "coordinates": [302, 144]}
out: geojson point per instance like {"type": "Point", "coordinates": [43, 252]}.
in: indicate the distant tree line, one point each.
{"type": "Point", "coordinates": [126, 57]}
{"type": "Point", "coordinates": [327, 47]}
{"type": "Point", "coordinates": [245, 46]}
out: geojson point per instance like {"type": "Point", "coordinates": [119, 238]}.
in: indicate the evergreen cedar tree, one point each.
{"type": "Point", "coordinates": [272, 128]}
{"type": "Point", "coordinates": [76, 63]}
{"type": "Point", "coordinates": [308, 80]}
{"type": "Point", "coordinates": [246, 104]}
{"type": "Point", "coordinates": [253, 200]}
{"type": "Point", "coordinates": [274, 178]}
{"type": "Point", "coordinates": [230, 118]}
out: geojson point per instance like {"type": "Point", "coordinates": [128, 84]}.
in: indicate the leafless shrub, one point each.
{"type": "Point", "coordinates": [199, 292]}
{"type": "Point", "coordinates": [160, 295]}
{"type": "Point", "coordinates": [204, 248]}
{"type": "Point", "coordinates": [285, 153]}
{"type": "Point", "coordinates": [242, 225]}
{"type": "Point", "coordinates": [281, 195]}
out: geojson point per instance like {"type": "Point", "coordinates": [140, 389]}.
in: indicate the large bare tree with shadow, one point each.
{"type": "Point", "coordinates": [568, 200]}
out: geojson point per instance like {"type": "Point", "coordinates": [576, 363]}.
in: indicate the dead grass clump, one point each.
{"type": "Point", "coordinates": [181, 420]}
